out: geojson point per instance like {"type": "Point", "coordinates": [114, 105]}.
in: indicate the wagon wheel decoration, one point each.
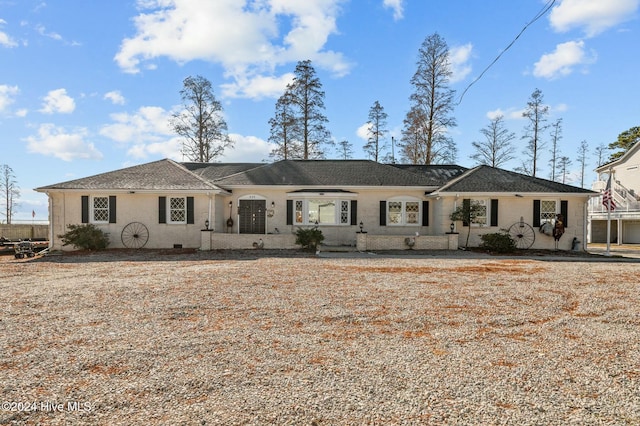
{"type": "Point", "coordinates": [135, 235]}
{"type": "Point", "coordinates": [523, 234]}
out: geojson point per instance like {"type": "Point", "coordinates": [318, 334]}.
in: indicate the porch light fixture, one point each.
{"type": "Point", "coordinates": [452, 227]}
{"type": "Point", "coordinates": [206, 224]}
{"type": "Point", "coordinates": [273, 204]}
{"type": "Point", "coordinates": [361, 226]}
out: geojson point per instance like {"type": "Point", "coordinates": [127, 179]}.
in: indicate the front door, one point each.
{"type": "Point", "coordinates": [252, 215]}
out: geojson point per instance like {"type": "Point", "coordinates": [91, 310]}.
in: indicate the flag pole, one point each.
{"type": "Point", "coordinates": [608, 252]}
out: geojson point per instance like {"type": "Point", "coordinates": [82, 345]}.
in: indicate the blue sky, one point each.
{"type": "Point", "coordinates": [87, 87]}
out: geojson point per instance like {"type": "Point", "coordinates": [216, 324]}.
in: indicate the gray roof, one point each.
{"type": "Point", "coordinates": [214, 171]}
{"type": "Point", "coordinates": [437, 175]}
{"type": "Point", "coordinates": [329, 173]}
{"type": "Point", "coordinates": [167, 175]}
{"type": "Point", "coordinates": [489, 179]}
{"type": "Point", "coordinates": [158, 175]}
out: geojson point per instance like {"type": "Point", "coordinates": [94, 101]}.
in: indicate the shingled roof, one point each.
{"type": "Point", "coordinates": [487, 179]}
{"type": "Point", "coordinates": [437, 175]}
{"type": "Point", "coordinates": [330, 173]}
{"type": "Point", "coordinates": [158, 175]}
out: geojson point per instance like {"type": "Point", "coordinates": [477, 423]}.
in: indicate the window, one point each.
{"type": "Point", "coordinates": [403, 212]}
{"type": "Point", "coordinates": [100, 210]}
{"type": "Point", "coordinates": [178, 210]}
{"type": "Point", "coordinates": [548, 210]}
{"type": "Point", "coordinates": [322, 212]}
{"type": "Point", "coordinates": [480, 213]}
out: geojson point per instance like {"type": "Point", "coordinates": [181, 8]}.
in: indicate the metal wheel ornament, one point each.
{"type": "Point", "coordinates": [134, 235]}
{"type": "Point", "coordinates": [523, 234]}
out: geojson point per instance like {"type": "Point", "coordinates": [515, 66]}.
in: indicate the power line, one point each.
{"type": "Point", "coordinates": [539, 15]}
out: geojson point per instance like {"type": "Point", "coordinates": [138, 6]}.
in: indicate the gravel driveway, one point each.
{"type": "Point", "coordinates": [160, 339]}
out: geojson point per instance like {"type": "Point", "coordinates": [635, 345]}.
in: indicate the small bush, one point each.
{"type": "Point", "coordinates": [499, 242]}
{"type": "Point", "coordinates": [86, 237]}
{"type": "Point", "coordinates": [309, 238]}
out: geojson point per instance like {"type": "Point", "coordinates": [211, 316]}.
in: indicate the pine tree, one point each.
{"type": "Point", "coordinates": [536, 113]}
{"type": "Point", "coordinates": [200, 123]}
{"type": "Point", "coordinates": [496, 148]}
{"type": "Point", "coordinates": [425, 137]}
{"type": "Point", "coordinates": [376, 130]}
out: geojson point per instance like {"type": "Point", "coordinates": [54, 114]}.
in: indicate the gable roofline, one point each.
{"type": "Point", "coordinates": [160, 176]}
{"type": "Point", "coordinates": [491, 180]}
{"type": "Point", "coordinates": [618, 161]}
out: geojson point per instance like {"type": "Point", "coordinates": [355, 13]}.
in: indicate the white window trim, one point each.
{"type": "Point", "coordinates": [403, 211]}
{"type": "Point", "coordinates": [337, 211]}
{"type": "Point", "coordinates": [487, 218]}
{"type": "Point", "coordinates": [180, 222]}
{"type": "Point", "coordinates": [557, 210]}
{"type": "Point", "coordinates": [92, 208]}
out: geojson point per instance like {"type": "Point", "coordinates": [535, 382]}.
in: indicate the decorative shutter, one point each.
{"type": "Point", "coordinates": [383, 213]}
{"type": "Point", "coordinates": [354, 212]}
{"type": "Point", "coordinates": [494, 212]}
{"type": "Point", "coordinates": [425, 213]}
{"type": "Point", "coordinates": [289, 212]}
{"type": "Point", "coordinates": [536, 213]}
{"type": "Point", "coordinates": [112, 209]}
{"type": "Point", "coordinates": [162, 209]}
{"type": "Point", "coordinates": [190, 212]}
{"type": "Point", "coordinates": [564, 211]}
{"type": "Point", "coordinates": [85, 208]}
{"type": "Point", "coordinates": [466, 208]}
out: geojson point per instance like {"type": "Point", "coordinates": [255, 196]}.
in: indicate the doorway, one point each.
{"type": "Point", "coordinates": [252, 216]}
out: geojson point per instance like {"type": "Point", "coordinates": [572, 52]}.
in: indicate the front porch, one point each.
{"type": "Point", "coordinates": [363, 241]}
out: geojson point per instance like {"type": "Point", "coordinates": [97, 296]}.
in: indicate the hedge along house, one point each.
{"type": "Point", "coordinates": [356, 203]}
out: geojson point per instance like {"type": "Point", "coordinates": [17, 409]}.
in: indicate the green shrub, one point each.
{"type": "Point", "coordinates": [86, 237]}
{"type": "Point", "coordinates": [309, 238]}
{"type": "Point", "coordinates": [499, 242]}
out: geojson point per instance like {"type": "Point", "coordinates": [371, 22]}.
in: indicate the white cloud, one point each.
{"type": "Point", "coordinates": [57, 101]}
{"type": "Point", "coordinates": [166, 149]}
{"type": "Point", "coordinates": [247, 149]}
{"type": "Point", "coordinates": [562, 61]}
{"type": "Point", "coordinates": [363, 131]}
{"type": "Point", "coordinates": [246, 40]}
{"type": "Point", "coordinates": [593, 16]}
{"type": "Point", "coordinates": [57, 142]}
{"type": "Point", "coordinates": [7, 94]}
{"type": "Point", "coordinates": [257, 87]}
{"type": "Point", "coordinates": [459, 58]}
{"type": "Point", "coordinates": [510, 114]}
{"type": "Point", "coordinates": [397, 7]}
{"type": "Point", "coordinates": [115, 97]}
{"type": "Point", "coordinates": [148, 125]}
{"type": "Point", "coordinates": [5, 39]}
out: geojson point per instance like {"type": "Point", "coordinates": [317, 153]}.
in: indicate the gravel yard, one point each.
{"type": "Point", "coordinates": [222, 339]}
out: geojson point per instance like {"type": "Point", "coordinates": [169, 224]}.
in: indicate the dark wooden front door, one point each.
{"type": "Point", "coordinates": [252, 216]}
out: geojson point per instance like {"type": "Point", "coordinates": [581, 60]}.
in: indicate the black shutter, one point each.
{"type": "Point", "coordinates": [494, 212]}
{"type": "Point", "coordinates": [466, 209]}
{"type": "Point", "coordinates": [383, 213]}
{"type": "Point", "coordinates": [425, 213]}
{"type": "Point", "coordinates": [190, 212]}
{"type": "Point", "coordinates": [289, 212]}
{"type": "Point", "coordinates": [564, 211]}
{"type": "Point", "coordinates": [162, 209]}
{"type": "Point", "coordinates": [354, 212]}
{"type": "Point", "coordinates": [112, 209]}
{"type": "Point", "coordinates": [536, 213]}
{"type": "Point", "coordinates": [85, 208]}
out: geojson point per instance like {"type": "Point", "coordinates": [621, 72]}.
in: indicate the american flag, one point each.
{"type": "Point", "coordinates": [607, 197]}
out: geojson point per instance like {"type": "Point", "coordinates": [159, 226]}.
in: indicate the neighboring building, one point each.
{"type": "Point", "coordinates": [625, 187]}
{"type": "Point", "coordinates": [166, 204]}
